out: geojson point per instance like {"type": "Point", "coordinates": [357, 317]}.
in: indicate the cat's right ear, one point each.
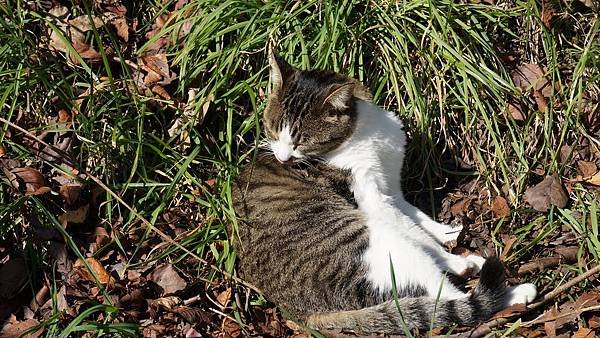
{"type": "Point", "coordinates": [280, 71]}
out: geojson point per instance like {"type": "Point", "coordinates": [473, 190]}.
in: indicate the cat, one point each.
{"type": "Point", "coordinates": [324, 230]}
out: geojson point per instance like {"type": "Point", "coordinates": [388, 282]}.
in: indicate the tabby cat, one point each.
{"type": "Point", "coordinates": [323, 222]}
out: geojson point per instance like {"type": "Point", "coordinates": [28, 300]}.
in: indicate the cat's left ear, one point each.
{"type": "Point", "coordinates": [280, 71]}
{"type": "Point", "coordinates": [340, 95]}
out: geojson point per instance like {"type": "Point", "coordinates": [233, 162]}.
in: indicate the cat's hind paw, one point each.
{"type": "Point", "coordinates": [520, 294]}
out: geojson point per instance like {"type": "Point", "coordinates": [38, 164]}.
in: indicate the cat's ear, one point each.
{"type": "Point", "coordinates": [280, 71]}
{"type": "Point", "coordinates": [339, 95]}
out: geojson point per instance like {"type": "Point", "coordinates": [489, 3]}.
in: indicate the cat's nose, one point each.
{"type": "Point", "coordinates": [284, 159]}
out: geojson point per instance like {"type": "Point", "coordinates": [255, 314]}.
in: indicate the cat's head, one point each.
{"type": "Point", "coordinates": [309, 113]}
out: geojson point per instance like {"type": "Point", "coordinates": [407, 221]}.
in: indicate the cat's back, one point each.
{"type": "Point", "coordinates": [299, 236]}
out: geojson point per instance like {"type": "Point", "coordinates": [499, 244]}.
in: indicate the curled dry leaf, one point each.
{"type": "Point", "coordinates": [516, 112]}
{"type": "Point", "coordinates": [167, 278]}
{"type": "Point", "coordinates": [193, 315]}
{"type": "Point", "coordinates": [13, 275]}
{"type": "Point", "coordinates": [586, 168]}
{"type": "Point", "coordinates": [15, 328]}
{"type": "Point", "coordinates": [500, 207]}
{"type": "Point", "coordinates": [35, 184]}
{"type": "Point", "coordinates": [167, 303]}
{"type": "Point", "coordinates": [532, 76]}
{"type": "Point", "coordinates": [223, 297]}
{"type": "Point", "coordinates": [78, 215]}
{"type": "Point", "coordinates": [546, 193]}
{"type": "Point", "coordinates": [584, 332]}
{"type": "Point", "coordinates": [103, 277]}
{"type": "Point", "coordinates": [2, 151]}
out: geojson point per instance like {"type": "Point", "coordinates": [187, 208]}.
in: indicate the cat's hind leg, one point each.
{"type": "Point", "coordinates": [442, 233]}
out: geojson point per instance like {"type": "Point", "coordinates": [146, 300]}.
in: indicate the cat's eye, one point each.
{"type": "Point", "coordinates": [303, 137]}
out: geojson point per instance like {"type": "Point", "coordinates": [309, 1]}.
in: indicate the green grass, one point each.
{"type": "Point", "coordinates": [437, 63]}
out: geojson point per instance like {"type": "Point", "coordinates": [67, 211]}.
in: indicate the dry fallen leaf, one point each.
{"type": "Point", "coordinates": [569, 311]}
{"type": "Point", "coordinates": [548, 13]}
{"type": "Point", "coordinates": [13, 275]}
{"type": "Point", "coordinates": [548, 192]}
{"type": "Point", "coordinates": [15, 328]}
{"type": "Point", "coordinates": [532, 76]}
{"type": "Point", "coordinates": [224, 296]}
{"type": "Point", "coordinates": [586, 168]}
{"type": "Point", "coordinates": [584, 333]}
{"type": "Point", "coordinates": [461, 207]}
{"type": "Point", "coordinates": [74, 216]}
{"type": "Point", "coordinates": [509, 241]}
{"type": "Point", "coordinates": [500, 207]}
{"type": "Point", "coordinates": [167, 278]}
{"type": "Point", "coordinates": [35, 184]}
{"type": "Point", "coordinates": [120, 24]}
{"type": "Point", "coordinates": [100, 272]}
{"type": "Point", "coordinates": [595, 179]}
{"type": "Point", "coordinates": [516, 112]}
{"type": "Point", "coordinates": [2, 151]}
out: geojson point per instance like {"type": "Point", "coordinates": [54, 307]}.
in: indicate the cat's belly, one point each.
{"type": "Point", "coordinates": [396, 250]}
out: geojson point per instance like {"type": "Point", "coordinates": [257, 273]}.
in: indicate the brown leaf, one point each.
{"type": "Point", "coordinates": [193, 315]}
{"type": "Point", "coordinates": [13, 275]}
{"type": "Point", "coordinates": [550, 326]}
{"type": "Point", "coordinates": [35, 184]}
{"type": "Point", "coordinates": [584, 333]}
{"type": "Point", "coordinates": [70, 193]}
{"type": "Point", "coordinates": [509, 241]}
{"type": "Point", "coordinates": [516, 112]}
{"type": "Point", "coordinates": [511, 311]}
{"type": "Point", "coordinates": [167, 278]}
{"type": "Point", "coordinates": [167, 303]}
{"type": "Point", "coordinates": [120, 24]}
{"type": "Point", "coordinates": [532, 76]}
{"type": "Point", "coordinates": [15, 328]}
{"type": "Point", "coordinates": [548, 192]}
{"type": "Point", "coordinates": [569, 253]}
{"type": "Point", "coordinates": [594, 322]}
{"type": "Point", "coordinates": [2, 151]}
{"type": "Point", "coordinates": [224, 296]}
{"type": "Point", "coordinates": [231, 328]}
{"type": "Point", "coordinates": [571, 310]}
{"type": "Point", "coordinates": [86, 51]}
{"type": "Point", "coordinates": [541, 101]}
{"type": "Point", "coordinates": [461, 207]}
{"type": "Point", "coordinates": [100, 272]}
{"type": "Point", "coordinates": [74, 216]}
{"type": "Point", "coordinates": [548, 13]}
{"type": "Point", "coordinates": [161, 91]}
{"type": "Point", "coordinates": [595, 179]}
{"type": "Point", "coordinates": [500, 207]}
{"type": "Point", "coordinates": [586, 168]}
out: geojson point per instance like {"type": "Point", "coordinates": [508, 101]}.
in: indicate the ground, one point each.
{"type": "Point", "coordinates": [123, 124]}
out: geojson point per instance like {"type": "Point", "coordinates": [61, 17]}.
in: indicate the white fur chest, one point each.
{"type": "Point", "coordinates": [374, 155]}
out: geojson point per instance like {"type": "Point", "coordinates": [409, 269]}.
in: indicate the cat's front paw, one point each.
{"type": "Point", "coordinates": [473, 265]}
{"type": "Point", "coordinates": [449, 235]}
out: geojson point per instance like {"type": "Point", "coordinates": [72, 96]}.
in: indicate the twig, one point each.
{"type": "Point", "coordinates": [487, 327]}
{"type": "Point", "coordinates": [128, 207]}
{"type": "Point", "coordinates": [562, 315]}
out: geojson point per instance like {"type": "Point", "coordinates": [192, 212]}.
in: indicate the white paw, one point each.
{"type": "Point", "coordinates": [476, 260]}
{"type": "Point", "coordinates": [520, 294]}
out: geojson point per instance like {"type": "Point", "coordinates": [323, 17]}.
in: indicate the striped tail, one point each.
{"type": "Point", "coordinates": [485, 300]}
